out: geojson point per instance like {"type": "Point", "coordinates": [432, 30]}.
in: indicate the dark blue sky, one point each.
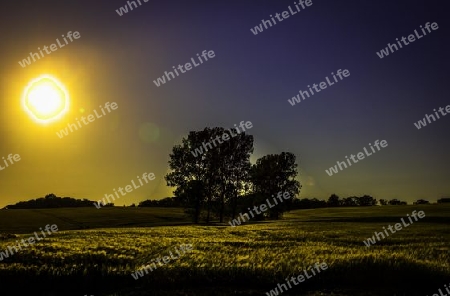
{"type": "Point", "coordinates": [251, 78]}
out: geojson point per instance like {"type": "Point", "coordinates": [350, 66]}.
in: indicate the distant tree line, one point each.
{"type": "Point", "coordinates": [167, 202]}
{"type": "Point", "coordinates": [53, 201]}
{"type": "Point", "coordinates": [297, 203]}
{"type": "Point", "coordinates": [351, 201]}
{"type": "Point", "coordinates": [354, 201]}
{"type": "Point", "coordinates": [392, 202]}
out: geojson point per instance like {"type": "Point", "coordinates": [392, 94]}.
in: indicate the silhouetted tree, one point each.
{"type": "Point", "coordinates": [232, 166]}
{"type": "Point", "coordinates": [275, 173]}
{"type": "Point", "coordinates": [50, 196]}
{"type": "Point", "coordinates": [307, 203]}
{"type": "Point", "coordinates": [192, 197]}
{"type": "Point", "coordinates": [221, 169]}
{"type": "Point", "coordinates": [421, 202]}
{"type": "Point", "coordinates": [351, 201]}
{"type": "Point", "coordinates": [333, 201]}
{"type": "Point", "coordinates": [250, 201]}
{"type": "Point", "coordinates": [383, 202]}
{"type": "Point", "coordinates": [167, 202]}
{"type": "Point", "coordinates": [397, 202]}
{"type": "Point", "coordinates": [366, 200]}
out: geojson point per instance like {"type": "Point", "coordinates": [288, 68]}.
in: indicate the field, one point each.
{"type": "Point", "coordinates": [82, 259]}
{"type": "Point", "coordinates": [28, 221]}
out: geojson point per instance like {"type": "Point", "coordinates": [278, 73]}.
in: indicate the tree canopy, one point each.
{"type": "Point", "coordinates": [214, 183]}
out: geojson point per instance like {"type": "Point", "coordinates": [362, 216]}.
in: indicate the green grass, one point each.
{"type": "Point", "coordinates": [246, 260]}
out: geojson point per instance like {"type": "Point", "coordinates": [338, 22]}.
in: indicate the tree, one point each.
{"type": "Point", "coordinates": [366, 200]}
{"type": "Point", "coordinates": [50, 196]}
{"type": "Point", "coordinates": [250, 201]}
{"type": "Point", "coordinates": [333, 201]}
{"type": "Point", "coordinates": [397, 202]}
{"type": "Point", "coordinates": [275, 173]}
{"type": "Point", "coordinates": [232, 167]}
{"type": "Point", "coordinates": [307, 203]}
{"type": "Point", "coordinates": [383, 202]}
{"type": "Point", "coordinates": [421, 202]}
{"type": "Point", "coordinates": [351, 201]}
{"type": "Point", "coordinates": [188, 167]}
{"type": "Point", "coordinates": [222, 169]}
{"type": "Point", "coordinates": [192, 197]}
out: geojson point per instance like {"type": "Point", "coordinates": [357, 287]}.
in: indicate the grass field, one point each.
{"type": "Point", "coordinates": [28, 221]}
{"type": "Point", "coordinates": [245, 260]}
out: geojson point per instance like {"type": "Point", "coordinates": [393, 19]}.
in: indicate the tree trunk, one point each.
{"type": "Point", "coordinates": [234, 204]}
{"type": "Point", "coordinates": [197, 209]}
{"type": "Point", "coordinates": [222, 203]}
{"type": "Point", "coordinates": [208, 215]}
{"type": "Point", "coordinates": [222, 207]}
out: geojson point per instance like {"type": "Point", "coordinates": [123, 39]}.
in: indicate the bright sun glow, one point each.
{"type": "Point", "coordinates": [45, 99]}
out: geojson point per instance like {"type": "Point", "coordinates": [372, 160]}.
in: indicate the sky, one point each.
{"type": "Point", "coordinates": [250, 78]}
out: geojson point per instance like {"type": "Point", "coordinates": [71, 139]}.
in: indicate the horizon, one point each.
{"type": "Point", "coordinates": [137, 204]}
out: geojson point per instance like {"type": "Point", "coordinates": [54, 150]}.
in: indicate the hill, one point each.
{"type": "Point", "coordinates": [29, 220]}
{"type": "Point", "coordinates": [52, 201]}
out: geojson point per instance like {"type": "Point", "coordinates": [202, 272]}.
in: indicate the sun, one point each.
{"type": "Point", "coordinates": [45, 99]}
